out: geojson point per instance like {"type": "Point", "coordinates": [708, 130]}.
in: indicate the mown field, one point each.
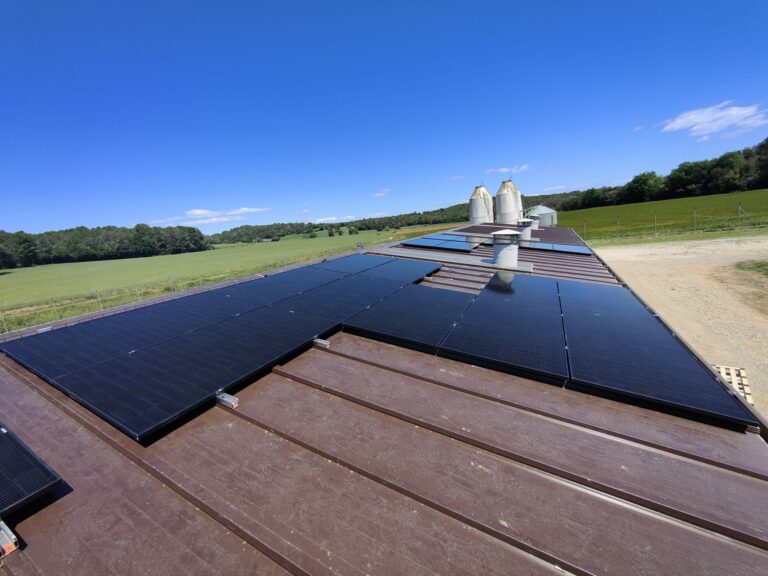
{"type": "Point", "coordinates": [40, 294]}
{"type": "Point", "coordinates": [664, 217]}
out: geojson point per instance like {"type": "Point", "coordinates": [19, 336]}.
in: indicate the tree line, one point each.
{"type": "Point", "coordinates": [105, 243]}
{"type": "Point", "coordinates": [745, 169]}
{"type": "Point", "coordinates": [249, 233]}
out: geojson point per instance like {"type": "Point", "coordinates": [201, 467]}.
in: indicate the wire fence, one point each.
{"type": "Point", "coordinates": [26, 315]}
{"type": "Point", "coordinates": [658, 224]}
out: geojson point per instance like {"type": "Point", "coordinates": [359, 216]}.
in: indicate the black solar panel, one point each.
{"type": "Point", "coordinates": [423, 242]}
{"type": "Point", "coordinates": [353, 264]}
{"type": "Point", "coordinates": [514, 325]}
{"type": "Point", "coordinates": [280, 286]}
{"type": "Point", "coordinates": [59, 352]}
{"type": "Point", "coordinates": [403, 271]}
{"type": "Point", "coordinates": [616, 344]}
{"type": "Point", "coordinates": [340, 300]}
{"type": "Point", "coordinates": [141, 393]}
{"type": "Point", "coordinates": [416, 316]}
{"type": "Point", "coordinates": [23, 476]}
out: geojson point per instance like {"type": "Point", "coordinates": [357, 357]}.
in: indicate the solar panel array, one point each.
{"type": "Point", "coordinates": [552, 247]}
{"type": "Point", "coordinates": [23, 476]}
{"type": "Point", "coordinates": [584, 336]}
{"type": "Point", "coordinates": [451, 242]}
{"type": "Point", "coordinates": [144, 369]}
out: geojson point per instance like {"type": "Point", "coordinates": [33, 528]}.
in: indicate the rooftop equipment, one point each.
{"type": "Point", "coordinates": [505, 245]}
{"type": "Point", "coordinates": [535, 220]}
{"type": "Point", "coordinates": [525, 224]}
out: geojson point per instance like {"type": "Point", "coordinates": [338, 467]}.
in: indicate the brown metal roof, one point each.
{"type": "Point", "coordinates": [369, 458]}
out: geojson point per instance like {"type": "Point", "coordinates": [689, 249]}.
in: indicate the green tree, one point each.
{"type": "Point", "coordinates": [643, 187]}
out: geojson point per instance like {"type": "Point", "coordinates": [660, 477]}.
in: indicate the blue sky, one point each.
{"type": "Point", "coordinates": [217, 114]}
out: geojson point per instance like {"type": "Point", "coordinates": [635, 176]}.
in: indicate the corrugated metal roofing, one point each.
{"type": "Point", "coordinates": [368, 458]}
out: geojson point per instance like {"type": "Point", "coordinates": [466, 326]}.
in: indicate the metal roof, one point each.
{"type": "Point", "coordinates": [368, 458]}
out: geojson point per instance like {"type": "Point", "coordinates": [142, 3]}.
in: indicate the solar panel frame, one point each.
{"type": "Point", "coordinates": [24, 476]}
{"type": "Point", "coordinates": [572, 249]}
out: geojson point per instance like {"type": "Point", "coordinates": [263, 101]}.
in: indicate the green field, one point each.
{"type": "Point", "coordinates": [31, 296]}
{"type": "Point", "coordinates": [677, 216]}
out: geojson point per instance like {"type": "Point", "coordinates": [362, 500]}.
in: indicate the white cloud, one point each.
{"type": "Point", "coordinates": [330, 219]}
{"type": "Point", "coordinates": [215, 220]}
{"type": "Point", "coordinates": [198, 216]}
{"type": "Point", "coordinates": [382, 192]}
{"type": "Point", "coordinates": [703, 122]}
{"type": "Point", "coordinates": [553, 188]}
{"type": "Point", "coordinates": [513, 170]}
{"type": "Point", "coordinates": [306, 211]}
{"type": "Point", "coordinates": [638, 128]}
{"type": "Point", "coordinates": [456, 177]}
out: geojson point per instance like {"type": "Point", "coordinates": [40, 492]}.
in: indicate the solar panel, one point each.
{"type": "Point", "coordinates": [59, 352]}
{"type": "Point", "coordinates": [423, 242]}
{"type": "Point", "coordinates": [536, 245]}
{"type": "Point", "coordinates": [616, 344]}
{"type": "Point", "coordinates": [353, 264]}
{"type": "Point", "coordinates": [446, 237]}
{"type": "Point", "coordinates": [403, 271]}
{"type": "Point", "coordinates": [513, 325]}
{"type": "Point", "coordinates": [567, 248]}
{"type": "Point", "coordinates": [23, 476]}
{"type": "Point", "coordinates": [280, 286]}
{"type": "Point", "coordinates": [416, 316]}
{"type": "Point", "coordinates": [143, 392]}
{"type": "Point", "coordinates": [340, 300]}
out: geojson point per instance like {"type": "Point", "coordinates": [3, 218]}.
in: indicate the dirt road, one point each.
{"type": "Point", "coordinates": [722, 312]}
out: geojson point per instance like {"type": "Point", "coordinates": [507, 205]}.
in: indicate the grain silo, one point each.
{"type": "Point", "coordinates": [480, 206]}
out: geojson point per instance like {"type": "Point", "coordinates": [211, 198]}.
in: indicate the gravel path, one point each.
{"type": "Point", "coordinates": [722, 312]}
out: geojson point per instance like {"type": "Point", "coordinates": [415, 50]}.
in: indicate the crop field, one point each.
{"type": "Point", "coordinates": [678, 216]}
{"type": "Point", "coordinates": [40, 294]}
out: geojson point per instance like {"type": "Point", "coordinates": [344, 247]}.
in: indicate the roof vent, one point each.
{"type": "Point", "coordinates": [505, 243]}
{"type": "Point", "coordinates": [8, 540]}
{"type": "Point", "coordinates": [525, 228]}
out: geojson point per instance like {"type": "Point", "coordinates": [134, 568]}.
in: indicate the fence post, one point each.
{"type": "Point", "coordinates": [694, 219]}
{"type": "Point", "coordinates": [617, 227]}
{"type": "Point", "coordinates": [655, 233]}
{"type": "Point", "coordinates": [170, 283]}
{"type": "Point", "coordinates": [585, 230]}
{"type": "Point", "coordinates": [739, 216]}
{"type": "Point", "coordinates": [98, 295]}
{"type": "Point", "coordinates": [5, 326]}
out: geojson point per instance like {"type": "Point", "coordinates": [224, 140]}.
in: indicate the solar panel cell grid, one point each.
{"type": "Point", "coordinates": [416, 316]}
{"type": "Point", "coordinates": [616, 344]}
{"type": "Point", "coordinates": [23, 476]}
{"type": "Point", "coordinates": [353, 264]}
{"type": "Point", "coordinates": [403, 271]}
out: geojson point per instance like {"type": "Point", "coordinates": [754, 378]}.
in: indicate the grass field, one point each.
{"type": "Point", "coordinates": [40, 294]}
{"type": "Point", "coordinates": [677, 216]}
{"type": "Point", "coordinates": [759, 266]}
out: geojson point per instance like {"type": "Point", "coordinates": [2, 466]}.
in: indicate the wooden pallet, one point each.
{"type": "Point", "coordinates": [737, 377]}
